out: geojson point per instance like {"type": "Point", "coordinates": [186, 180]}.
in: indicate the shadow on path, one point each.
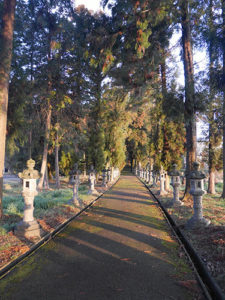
{"type": "Point", "coordinates": [116, 250]}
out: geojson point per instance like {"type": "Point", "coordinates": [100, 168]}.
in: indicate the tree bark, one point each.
{"type": "Point", "coordinates": [57, 180]}
{"type": "Point", "coordinates": [211, 181]}
{"type": "Point", "coordinates": [223, 45]}
{"type": "Point", "coordinates": [46, 142]}
{"type": "Point", "coordinates": [49, 110]}
{"type": "Point", "coordinates": [6, 45]}
{"type": "Point", "coordinates": [189, 113]}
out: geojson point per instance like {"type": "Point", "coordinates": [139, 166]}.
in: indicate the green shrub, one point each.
{"type": "Point", "coordinates": [3, 231]}
{"type": "Point", "coordinates": [219, 187]}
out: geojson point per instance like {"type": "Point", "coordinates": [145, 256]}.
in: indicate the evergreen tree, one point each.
{"type": "Point", "coordinates": [6, 42]}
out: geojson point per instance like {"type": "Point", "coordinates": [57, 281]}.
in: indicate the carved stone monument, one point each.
{"type": "Point", "coordinates": [92, 179]}
{"type": "Point", "coordinates": [104, 177]}
{"type": "Point", "coordinates": [196, 178]}
{"type": "Point", "coordinates": [175, 183]}
{"type": "Point", "coordinates": [29, 227]}
{"type": "Point", "coordinates": [162, 182]}
{"type": "Point", "coordinates": [75, 180]}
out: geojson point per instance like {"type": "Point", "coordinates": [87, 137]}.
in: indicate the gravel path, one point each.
{"type": "Point", "coordinates": [121, 248]}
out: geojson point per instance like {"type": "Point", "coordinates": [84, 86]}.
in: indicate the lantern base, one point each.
{"type": "Point", "coordinates": [28, 229]}
{"type": "Point", "coordinates": [196, 223]}
{"type": "Point", "coordinates": [176, 203]}
{"type": "Point", "coordinates": [77, 202]}
{"type": "Point", "coordinates": [93, 192]}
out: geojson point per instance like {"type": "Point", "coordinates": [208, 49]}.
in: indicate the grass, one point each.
{"type": "Point", "coordinates": [13, 203]}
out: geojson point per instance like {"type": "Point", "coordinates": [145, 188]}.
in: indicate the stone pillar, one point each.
{"type": "Point", "coordinates": [136, 171]}
{"type": "Point", "coordinates": [104, 177]}
{"type": "Point", "coordinates": [175, 182]}
{"type": "Point", "coordinates": [154, 179]}
{"type": "Point", "coordinates": [29, 227]}
{"type": "Point", "coordinates": [162, 183]}
{"type": "Point", "coordinates": [196, 178]}
{"type": "Point", "coordinates": [75, 180]}
{"type": "Point", "coordinates": [147, 176]}
{"type": "Point", "coordinates": [108, 175]}
{"type": "Point", "coordinates": [92, 179]}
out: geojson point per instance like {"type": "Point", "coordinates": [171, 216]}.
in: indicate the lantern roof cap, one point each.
{"type": "Point", "coordinates": [196, 173]}
{"type": "Point", "coordinates": [29, 173]}
{"type": "Point", "coordinates": [174, 171]}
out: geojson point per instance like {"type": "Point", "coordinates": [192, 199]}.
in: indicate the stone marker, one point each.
{"type": "Point", "coordinates": [196, 178]}
{"type": "Point", "coordinates": [75, 180]}
{"type": "Point", "coordinates": [29, 227]}
{"type": "Point", "coordinates": [154, 176]}
{"type": "Point", "coordinates": [104, 177]}
{"type": "Point", "coordinates": [175, 182]}
{"type": "Point", "coordinates": [92, 179]}
{"type": "Point", "coordinates": [162, 182]}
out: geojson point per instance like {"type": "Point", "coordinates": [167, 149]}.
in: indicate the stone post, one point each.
{"type": "Point", "coordinates": [108, 175]}
{"type": "Point", "coordinates": [92, 179]}
{"type": "Point", "coordinates": [147, 176]}
{"type": "Point", "coordinates": [196, 178]}
{"type": "Point", "coordinates": [154, 179]}
{"type": "Point", "coordinates": [75, 180]}
{"type": "Point", "coordinates": [29, 227]}
{"type": "Point", "coordinates": [162, 182]}
{"type": "Point", "coordinates": [136, 171]}
{"type": "Point", "coordinates": [175, 182]}
{"type": "Point", "coordinates": [104, 177]}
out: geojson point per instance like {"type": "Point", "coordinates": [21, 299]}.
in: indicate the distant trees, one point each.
{"type": "Point", "coordinates": [94, 89]}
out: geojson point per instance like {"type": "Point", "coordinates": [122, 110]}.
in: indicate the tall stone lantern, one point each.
{"type": "Point", "coordinates": [75, 180]}
{"type": "Point", "coordinates": [162, 177]}
{"type": "Point", "coordinates": [92, 179]}
{"type": "Point", "coordinates": [175, 183]}
{"type": "Point", "coordinates": [196, 179]}
{"type": "Point", "coordinates": [29, 227]}
{"type": "Point", "coordinates": [104, 177]}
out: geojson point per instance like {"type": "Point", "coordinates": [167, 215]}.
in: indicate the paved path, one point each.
{"type": "Point", "coordinates": [121, 248]}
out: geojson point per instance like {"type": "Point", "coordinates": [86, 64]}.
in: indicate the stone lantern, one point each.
{"type": "Point", "coordinates": [29, 227]}
{"type": "Point", "coordinates": [92, 179]}
{"type": "Point", "coordinates": [196, 178]}
{"type": "Point", "coordinates": [136, 171]}
{"type": "Point", "coordinates": [162, 177]}
{"type": "Point", "coordinates": [104, 177]}
{"type": "Point", "coordinates": [175, 182]}
{"type": "Point", "coordinates": [108, 175]}
{"type": "Point", "coordinates": [147, 175]}
{"type": "Point", "coordinates": [75, 180]}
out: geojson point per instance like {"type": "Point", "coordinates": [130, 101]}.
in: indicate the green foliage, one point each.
{"type": "Point", "coordinates": [66, 163]}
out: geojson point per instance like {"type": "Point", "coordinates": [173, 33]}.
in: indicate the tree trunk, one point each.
{"type": "Point", "coordinates": [189, 114]}
{"type": "Point", "coordinates": [57, 180]}
{"type": "Point", "coordinates": [223, 17]}
{"type": "Point", "coordinates": [49, 111]}
{"type": "Point", "coordinates": [211, 181]}
{"type": "Point", "coordinates": [45, 152]}
{"type": "Point", "coordinates": [6, 44]}
{"type": "Point", "coordinates": [46, 181]}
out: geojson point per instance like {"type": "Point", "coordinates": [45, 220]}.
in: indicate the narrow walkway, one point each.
{"type": "Point", "coordinates": [121, 248]}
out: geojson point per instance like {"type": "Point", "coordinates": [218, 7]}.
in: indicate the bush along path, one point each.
{"type": "Point", "coordinates": [121, 248]}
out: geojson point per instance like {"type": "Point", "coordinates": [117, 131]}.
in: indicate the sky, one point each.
{"type": "Point", "coordinates": [90, 4]}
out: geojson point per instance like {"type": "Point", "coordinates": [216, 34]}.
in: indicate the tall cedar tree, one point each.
{"type": "Point", "coordinates": [223, 90]}
{"type": "Point", "coordinates": [189, 106]}
{"type": "Point", "coordinates": [6, 42]}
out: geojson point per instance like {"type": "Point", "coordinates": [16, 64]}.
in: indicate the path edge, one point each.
{"type": "Point", "coordinates": [48, 237]}
{"type": "Point", "coordinates": [209, 286]}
